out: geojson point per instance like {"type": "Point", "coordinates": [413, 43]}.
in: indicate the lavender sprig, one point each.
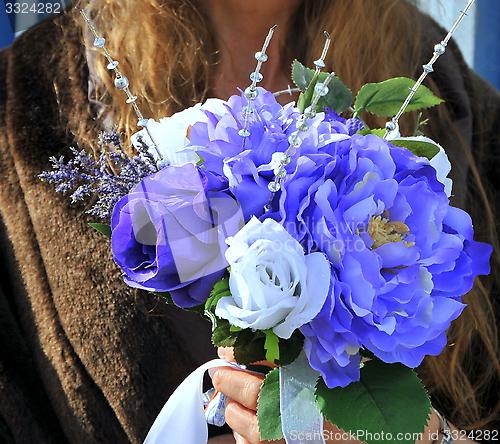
{"type": "Point", "coordinates": [109, 178]}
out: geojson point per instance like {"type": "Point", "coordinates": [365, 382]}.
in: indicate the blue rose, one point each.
{"type": "Point", "coordinates": [401, 256]}
{"type": "Point", "coordinates": [169, 233]}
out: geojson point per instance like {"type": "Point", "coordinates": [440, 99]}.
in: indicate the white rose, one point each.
{"type": "Point", "coordinates": [273, 284]}
{"type": "Point", "coordinates": [170, 133]}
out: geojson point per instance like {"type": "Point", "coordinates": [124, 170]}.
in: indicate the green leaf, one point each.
{"type": "Point", "coordinates": [301, 75]}
{"type": "Point", "coordinates": [268, 408]}
{"type": "Point", "coordinates": [386, 98]}
{"type": "Point", "coordinates": [271, 344]}
{"type": "Point", "coordinates": [418, 147]}
{"type": "Point", "coordinates": [220, 290]}
{"type": "Point", "coordinates": [380, 132]}
{"type": "Point", "coordinates": [339, 97]}
{"type": "Point", "coordinates": [102, 228]}
{"type": "Point", "coordinates": [234, 328]}
{"type": "Point", "coordinates": [222, 336]}
{"type": "Point", "coordinates": [290, 348]}
{"type": "Point", "coordinates": [389, 399]}
{"type": "Point", "coordinates": [249, 346]}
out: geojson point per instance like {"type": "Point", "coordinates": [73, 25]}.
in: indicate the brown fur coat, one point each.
{"type": "Point", "coordinates": [83, 359]}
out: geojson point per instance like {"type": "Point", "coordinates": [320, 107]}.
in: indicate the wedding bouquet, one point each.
{"type": "Point", "coordinates": [310, 241]}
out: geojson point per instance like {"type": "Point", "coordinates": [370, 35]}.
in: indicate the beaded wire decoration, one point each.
{"type": "Point", "coordinates": [251, 93]}
{"type": "Point", "coordinates": [392, 126]}
{"type": "Point", "coordinates": [121, 82]}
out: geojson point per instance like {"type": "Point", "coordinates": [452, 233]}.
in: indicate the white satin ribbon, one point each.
{"type": "Point", "coordinates": [301, 420]}
{"type": "Point", "coordinates": [182, 419]}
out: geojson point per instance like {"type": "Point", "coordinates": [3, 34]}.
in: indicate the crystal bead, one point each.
{"type": "Point", "coordinates": [390, 126]}
{"type": "Point", "coordinates": [247, 110]}
{"type": "Point", "coordinates": [244, 132]}
{"type": "Point", "coordinates": [162, 163]}
{"type": "Point", "coordinates": [440, 49]}
{"type": "Point", "coordinates": [251, 93]}
{"type": "Point", "coordinates": [261, 56]}
{"type": "Point", "coordinates": [131, 99]}
{"type": "Point", "coordinates": [121, 82]}
{"type": "Point", "coordinates": [309, 112]}
{"type": "Point", "coordinates": [302, 125]}
{"type": "Point", "coordinates": [279, 172]}
{"type": "Point", "coordinates": [112, 65]}
{"type": "Point", "coordinates": [294, 140]}
{"type": "Point", "coordinates": [142, 122]}
{"type": "Point", "coordinates": [274, 187]}
{"type": "Point", "coordinates": [428, 68]}
{"type": "Point", "coordinates": [286, 160]}
{"type": "Point", "coordinates": [320, 63]}
{"type": "Point", "coordinates": [267, 208]}
{"type": "Point", "coordinates": [320, 89]}
{"type": "Point", "coordinates": [99, 42]}
{"type": "Point", "coordinates": [256, 77]}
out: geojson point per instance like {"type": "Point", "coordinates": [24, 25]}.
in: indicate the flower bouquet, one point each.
{"type": "Point", "coordinates": [310, 241]}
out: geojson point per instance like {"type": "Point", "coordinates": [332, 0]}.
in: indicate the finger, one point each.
{"type": "Point", "coordinates": [226, 353]}
{"type": "Point", "coordinates": [245, 423]}
{"type": "Point", "coordinates": [238, 385]}
{"type": "Point", "coordinates": [240, 440]}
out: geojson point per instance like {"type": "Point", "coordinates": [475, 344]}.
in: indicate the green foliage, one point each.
{"type": "Point", "coordinates": [220, 290]}
{"type": "Point", "coordinates": [380, 132]}
{"type": "Point", "coordinates": [249, 346]}
{"type": "Point", "coordinates": [290, 348]}
{"type": "Point", "coordinates": [271, 345]}
{"type": "Point", "coordinates": [386, 98]}
{"type": "Point", "coordinates": [102, 228]}
{"type": "Point", "coordinates": [389, 401]}
{"type": "Point", "coordinates": [418, 147]}
{"type": "Point", "coordinates": [339, 97]}
{"type": "Point", "coordinates": [268, 410]}
{"type": "Point", "coordinates": [222, 336]}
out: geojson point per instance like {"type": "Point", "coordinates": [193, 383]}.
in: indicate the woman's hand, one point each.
{"type": "Point", "coordinates": [241, 413]}
{"type": "Point", "coordinates": [243, 390]}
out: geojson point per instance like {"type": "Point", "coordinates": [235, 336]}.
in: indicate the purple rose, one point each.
{"type": "Point", "coordinates": [249, 163]}
{"type": "Point", "coordinates": [169, 233]}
